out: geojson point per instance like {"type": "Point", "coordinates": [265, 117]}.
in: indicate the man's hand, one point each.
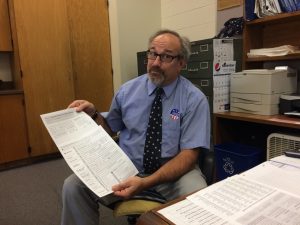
{"type": "Point", "coordinates": [129, 187]}
{"type": "Point", "coordinates": [83, 105]}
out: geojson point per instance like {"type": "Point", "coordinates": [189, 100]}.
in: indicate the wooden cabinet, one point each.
{"type": "Point", "coordinates": [5, 34]}
{"type": "Point", "coordinates": [61, 53]}
{"type": "Point", "coordinates": [13, 138]}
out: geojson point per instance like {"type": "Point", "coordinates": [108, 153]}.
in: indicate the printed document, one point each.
{"type": "Point", "coordinates": [89, 151]}
{"type": "Point", "coordinates": [236, 200]}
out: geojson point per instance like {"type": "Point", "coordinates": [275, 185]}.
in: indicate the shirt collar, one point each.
{"type": "Point", "coordinates": [167, 89]}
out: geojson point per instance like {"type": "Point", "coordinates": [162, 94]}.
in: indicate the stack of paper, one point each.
{"type": "Point", "coordinates": [276, 51]}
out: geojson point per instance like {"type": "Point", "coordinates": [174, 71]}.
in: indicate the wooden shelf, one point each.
{"type": "Point", "coordinates": [269, 32]}
{"type": "Point", "coordinates": [279, 18]}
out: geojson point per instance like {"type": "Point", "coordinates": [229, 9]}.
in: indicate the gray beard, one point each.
{"type": "Point", "coordinates": [157, 81]}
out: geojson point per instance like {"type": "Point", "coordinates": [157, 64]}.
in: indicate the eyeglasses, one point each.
{"type": "Point", "coordinates": [163, 57]}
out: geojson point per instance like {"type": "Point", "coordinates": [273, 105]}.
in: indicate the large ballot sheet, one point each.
{"type": "Point", "coordinates": [89, 151]}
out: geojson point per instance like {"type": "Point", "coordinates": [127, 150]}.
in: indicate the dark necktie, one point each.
{"type": "Point", "coordinates": [152, 151]}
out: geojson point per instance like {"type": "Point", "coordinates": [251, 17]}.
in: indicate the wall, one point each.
{"type": "Point", "coordinates": [131, 24]}
{"type": "Point", "coordinates": [196, 19]}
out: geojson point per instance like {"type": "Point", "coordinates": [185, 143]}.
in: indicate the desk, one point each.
{"type": "Point", "coordinates": [154, 218]}
{"type": "Point", "coordinates": [251, 129]}
{"type": "Point", "coordinates": [241, 199]}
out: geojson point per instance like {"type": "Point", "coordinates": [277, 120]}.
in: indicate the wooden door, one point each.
{"type": "Point", "coordinates": [13, 138]}
{"type": "Point", "coordinates": [91, 54]}
{"type": "Point", "coordinates": [45, 59]}
{"type": "Point", "coordinates": [5, 34]}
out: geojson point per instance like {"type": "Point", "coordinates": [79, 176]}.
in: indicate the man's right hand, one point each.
{"type": "Point", "coordinates": [83, 105]}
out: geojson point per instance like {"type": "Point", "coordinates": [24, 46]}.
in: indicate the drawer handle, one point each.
{"type": "Point", "coordinates": [193, 70]}
{"type": "Point", "coordinates": [204, 83]}
{"type": "Point", "coordinates": [195, 53]}
{"type": "Point", "coordinates": [203, 65]}
{"type": "Point", "coordinates": [204, 48]}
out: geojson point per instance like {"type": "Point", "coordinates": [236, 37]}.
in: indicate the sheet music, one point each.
{"type": "Point", "coordinates": [236, 200]}
{"type": "Point", "coordinates": [89, 151]}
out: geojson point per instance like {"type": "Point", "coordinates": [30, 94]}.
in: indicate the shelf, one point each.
{"type": "Point", "coordinates": [276, 58]}
{"type": "Point", "coordinates": [276, 120]}
{"type": "Point", "coordinates": [279, 18]}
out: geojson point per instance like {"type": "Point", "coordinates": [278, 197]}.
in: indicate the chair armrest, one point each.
{"type": "Point", "coordinates": [207, 165]}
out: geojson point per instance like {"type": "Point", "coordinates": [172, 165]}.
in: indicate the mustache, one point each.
{"type": "Point", "coordinates": [155, 70]}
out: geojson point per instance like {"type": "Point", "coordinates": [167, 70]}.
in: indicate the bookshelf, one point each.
{"type": "Point", "coordinates": [269, 32]}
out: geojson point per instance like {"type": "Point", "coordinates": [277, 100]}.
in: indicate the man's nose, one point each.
{"type": "Point", "coordinates": [157, 60]}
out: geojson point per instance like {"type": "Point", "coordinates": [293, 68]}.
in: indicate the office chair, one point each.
{"type": "Point", "coordinates": [133, 208]}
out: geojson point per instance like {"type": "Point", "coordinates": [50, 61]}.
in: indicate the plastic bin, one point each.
{"type": "Point", "coordinates": [234, 158]}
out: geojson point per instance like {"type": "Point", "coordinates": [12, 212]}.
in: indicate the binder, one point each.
{"type": "Point", "coordinates": [292, 5]}
{"type": "Point", "coordinates": [297, 3]}
{"type": "Point", "coordinates": [249, 10]}
{"type": "Point", "coordinates": [284, 6]}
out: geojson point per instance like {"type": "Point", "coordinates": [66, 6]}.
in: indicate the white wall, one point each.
{"type": "Point", "coordinates": [131, 24]}
{"type": "Point", "coordinates": [195, 19]}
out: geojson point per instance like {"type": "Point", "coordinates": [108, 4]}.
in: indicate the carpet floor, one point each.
{"type": "Point", "coordinates": [31, 195]}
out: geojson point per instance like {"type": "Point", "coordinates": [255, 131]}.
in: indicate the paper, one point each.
{"type": "Point", "coordinates": [276, 51]}
{"type": "Point", "coordinates": [243, 199]}
{"type": "Point", "coordinates": [89, 151]}
{"type": "Point", "coordinates": [236, 200]}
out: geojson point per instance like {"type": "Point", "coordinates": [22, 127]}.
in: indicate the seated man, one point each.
{"type": "Point", "coordinates": [165, 151]}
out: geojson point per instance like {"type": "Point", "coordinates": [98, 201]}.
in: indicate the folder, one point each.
{"type": "Point", "coordinates": [292, 5]}
{"type": "Point", "coordinates": [283, 6]}
{"type": "Point", "coordinates": [297, 3]}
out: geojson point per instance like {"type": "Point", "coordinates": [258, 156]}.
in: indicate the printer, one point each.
{"type": "Point", "coordinates": [289, 104]}
{"type": "Point", "coordinates": [258, 91]}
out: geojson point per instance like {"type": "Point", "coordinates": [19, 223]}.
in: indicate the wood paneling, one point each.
{"type": "Point", "coordinates": [45, 59]}
{"type": "Point", "coordinates": [91, 54]}
{"type": "Point", "coordinates": [13, 138]}
{"type": "Point", "coordinates": [64, 54]}
{"type": "Point", "coordinates": [5, 35]}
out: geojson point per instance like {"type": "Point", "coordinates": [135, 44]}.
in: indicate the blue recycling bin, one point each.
{"type": "Point", "coordinates": [234, 158]}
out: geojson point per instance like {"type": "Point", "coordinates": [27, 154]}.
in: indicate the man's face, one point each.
{"type": "Point", "coordinates": [164, 73]}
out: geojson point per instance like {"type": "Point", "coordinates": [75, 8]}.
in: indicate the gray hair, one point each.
{"type": "Point", "coordinates": [185, 46]}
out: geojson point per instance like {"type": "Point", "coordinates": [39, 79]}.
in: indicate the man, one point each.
{"type": "Point", "coordinates": [185, 130]}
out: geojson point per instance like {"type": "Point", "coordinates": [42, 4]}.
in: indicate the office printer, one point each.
{"type": "Point", "coordinates": [289, 104]}
{"type": "Point", "coordinates": [258, 91]}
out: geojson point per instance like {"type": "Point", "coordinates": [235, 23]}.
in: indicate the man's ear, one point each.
{"type": "Point", "coordinates": [182, 63]}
